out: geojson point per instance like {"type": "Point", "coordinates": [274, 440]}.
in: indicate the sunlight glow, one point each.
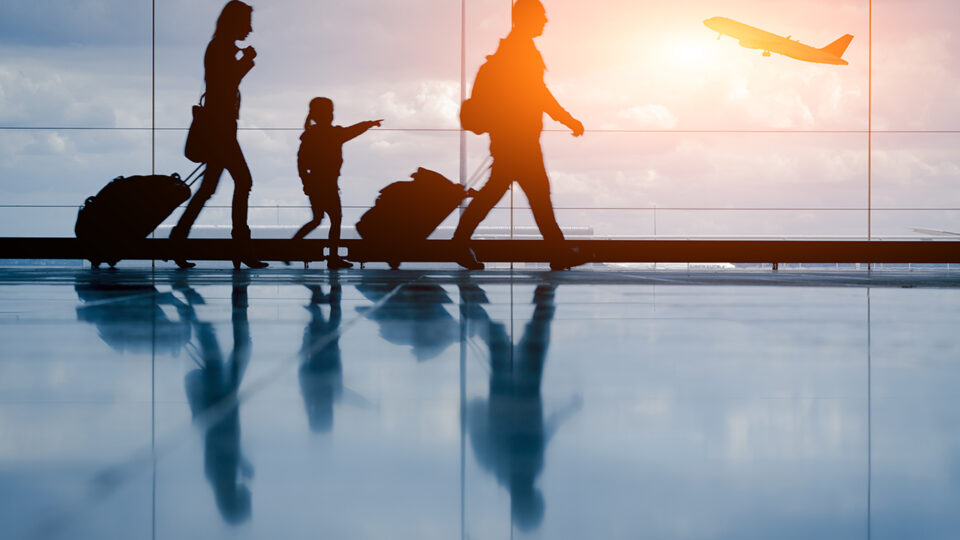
{"type": "Point", "coordinates": [688, 51]}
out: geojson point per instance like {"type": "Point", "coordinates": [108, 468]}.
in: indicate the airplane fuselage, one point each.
{"type": "Point", "coordinates": [754, 38]}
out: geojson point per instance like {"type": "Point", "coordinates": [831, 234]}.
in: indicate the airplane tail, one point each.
{"type": "Point", "coordinates": [838, 47]}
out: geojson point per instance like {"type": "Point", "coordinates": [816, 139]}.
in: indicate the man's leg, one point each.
{"type": "Point", "coordinates": [536, 186]}
{"type": "Point", "coordinates": [537, 189]}
{"type": "Point", "coordinates": [479, 207]}
{"type": "Point", "coordinates": [486, 198]}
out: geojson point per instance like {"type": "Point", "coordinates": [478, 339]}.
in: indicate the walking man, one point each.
{"type": "Point", "coordinates": [513, 102]}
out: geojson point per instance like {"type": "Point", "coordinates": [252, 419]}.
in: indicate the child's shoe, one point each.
{"type": "Point", "coordinates": [336, 263]}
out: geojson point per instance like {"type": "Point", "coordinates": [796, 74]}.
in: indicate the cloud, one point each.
{"type": "Point", "coordinates": [651, 116]}
{"type": "Point", "coordinates": [614, 65]}
{"type": "Point", "coordinates": [52, 23]}
{"type": "Point", "coordinates": [430, 104]}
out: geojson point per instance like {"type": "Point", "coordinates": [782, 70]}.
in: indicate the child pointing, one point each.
{"type": "Point", "coordinates": [318, 162]}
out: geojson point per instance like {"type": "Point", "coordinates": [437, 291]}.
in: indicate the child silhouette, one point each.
{"type": "Point", "coordinates": [318, 162]}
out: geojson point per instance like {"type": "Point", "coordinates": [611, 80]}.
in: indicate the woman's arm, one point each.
{"type": "Point", "coordinates": [245, 64]}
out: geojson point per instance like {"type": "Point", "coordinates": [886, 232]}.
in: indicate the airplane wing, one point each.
{"type": "Point", "coordinates": [934, 232]}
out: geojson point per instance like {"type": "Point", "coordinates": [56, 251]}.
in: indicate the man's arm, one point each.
{"type": "Point", "coordinates": [552, 107]}
{"type": "Point", "coordinates": [359, 128]}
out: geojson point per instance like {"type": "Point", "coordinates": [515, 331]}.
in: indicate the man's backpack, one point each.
{"type": "Point", "coordinates": [478, 113]}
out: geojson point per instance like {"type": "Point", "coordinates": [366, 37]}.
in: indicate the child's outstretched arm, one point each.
{"type": "Point", "coordinates": [359, 128]}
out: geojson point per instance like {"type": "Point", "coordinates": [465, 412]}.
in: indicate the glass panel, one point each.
{"type": "Point", "coordinates": [915, 60]}
{"type": "Point", "coordinates": [74, 107]}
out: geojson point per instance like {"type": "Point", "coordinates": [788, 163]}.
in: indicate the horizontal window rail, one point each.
{"type": "Point", "coordinates": [548, 130]}
{"type": "Point", "coordinates": [584, 251]}
{"type": "Point", "coordinates": [585, 208]}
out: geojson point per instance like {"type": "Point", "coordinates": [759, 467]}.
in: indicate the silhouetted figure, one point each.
{"type": "Point", "coordinates": [222, 74]}
{"type": "Point", "coordinates": [521, 98]}
{"type": "Point", "coordinates": [212, 389]}
{"type": "Point", "coordinates": [508, 432]}
{"type": "Point", "coordinates": [321, 374]}
{"type": "Point", "coordinates": [129, 317]}
{"type": "Point", "coordinates": [413, 317]}
{"type": "Point", "coordinates": [318, 162]}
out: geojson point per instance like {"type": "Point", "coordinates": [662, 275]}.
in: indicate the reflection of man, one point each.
{"type": "Point", "coordinates": [521, 99]}
{"type": "Point", "coordinates": [212, 390]}
{"type": "Point", "coordinates": [321, 374]}
{"type": "Point", "coordinates": [508, 431]}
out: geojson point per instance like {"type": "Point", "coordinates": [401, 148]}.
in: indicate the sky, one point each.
{"type": "Point", "coordinates": [617, 65]}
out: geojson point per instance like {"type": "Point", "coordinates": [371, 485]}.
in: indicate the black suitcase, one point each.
{"type": "Point", "coordinates": [128, 208]}
{"type": "Point", "coordinates": [410, 210]}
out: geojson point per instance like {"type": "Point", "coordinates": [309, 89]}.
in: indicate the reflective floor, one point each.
{"type": "Point", "coordinates": [436, 404]}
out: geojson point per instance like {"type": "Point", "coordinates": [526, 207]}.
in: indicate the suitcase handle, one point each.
{"type": "Point", "coordinates": [191, 175]}
{"type": "Point", "coordinates": [478, 174]}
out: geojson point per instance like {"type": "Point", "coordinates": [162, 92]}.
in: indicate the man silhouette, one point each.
{"type": "Point", "coordinates": [509, 431]}
{"type": "Point", "coordinates": [521, 99]}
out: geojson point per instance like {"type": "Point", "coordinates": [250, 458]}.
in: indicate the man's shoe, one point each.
{"type": "Point", "coordinates": [566, 260]}
{"type": "Point", "coordinates": [184, 264]}
{"type": "Point", "coordinates": [468, 260]}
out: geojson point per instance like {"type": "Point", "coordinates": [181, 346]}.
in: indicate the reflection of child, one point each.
{"type": "Point", "coordinates": [318, 161]}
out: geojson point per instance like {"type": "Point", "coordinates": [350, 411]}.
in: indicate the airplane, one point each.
{"type": "Point", "coordinates": [754, 38]}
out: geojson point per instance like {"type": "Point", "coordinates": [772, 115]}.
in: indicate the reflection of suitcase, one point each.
{"type": "Point", "coordinates": [126, 209]}
{"type": "Point", "coordinates": [411, 210]}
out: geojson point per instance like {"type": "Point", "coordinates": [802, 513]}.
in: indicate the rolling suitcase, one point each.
{"type": "Point", "coordinates": [128, 209]}
{"type": "Point", "coordinates": [409, 211]}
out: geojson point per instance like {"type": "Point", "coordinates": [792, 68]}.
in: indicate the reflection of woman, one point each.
{"type": "Point", "coordinates": [211, 393]}
{"type": "Point", "coordinates": [222, 74]}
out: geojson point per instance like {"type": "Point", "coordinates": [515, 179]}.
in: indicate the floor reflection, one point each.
{"type": "Point", "coordinates": [321, 374]}
{"type": "Point", "coordinates": [508, 430]}
{"type": "Point", "coordinates": [414, 316]}
{"type": "Point", "coordinates": [128, 314]}
{"type": "Point", "coordinates": [211, 389]}
{"type": "Point", "coordinates": [758, 409]}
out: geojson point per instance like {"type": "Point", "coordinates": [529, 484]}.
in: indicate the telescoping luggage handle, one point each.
{"type": "Point", "coordinates": [479, 173]}
{"type": "Point", "coordinates": [196, 172]}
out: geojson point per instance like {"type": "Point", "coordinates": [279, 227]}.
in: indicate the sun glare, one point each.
{"type": "Point", "coordinates": [688, 52]}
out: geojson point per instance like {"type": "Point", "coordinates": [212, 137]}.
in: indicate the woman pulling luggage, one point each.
{"type": "Point", "coordinates": [222, 75]}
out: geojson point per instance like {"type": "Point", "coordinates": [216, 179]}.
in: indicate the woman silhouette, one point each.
{"type": "Point", "coordinates": [222, 75]}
